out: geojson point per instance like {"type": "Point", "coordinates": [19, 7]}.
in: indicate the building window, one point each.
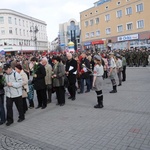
{"type": "Point", "coordinates": [120, 28]}
{"type": "Point", "coordinates": [19, 22]}
{"type": "Point", "coordinates": [23, 22]}
{"type": "Point", "coordinates": [24, 32]}
{"type": "Point", "coordinates": [139, 7]}
{"type": "Point", "coordinates": [97, 33]}
{"type": "Point", "coordinates": [108, 31]}
{"type": "Point", "coordinates": [118, 3]}
{"type": "Point", "coordinates": [107, 17]}
{"type": "Point", "coordinates": [9, 20]}
{"type": "Point", "coordinates": [119, 13]}
{"type": "Point", "coordinates": [97, 20]}
{"type": "Point", "coordinates": [129, 26]}
{"type": "Point", "coordinates": [140, 24]}
{"type": "Point", "coordinates": [16, 31]}
{"type": "Point", "coordinates": [20, 32]}
{"type": "Point", "coordinates": [91, 22]}
{"type": "Point", "coordinates": [106, 7]}
{"type": "Point", "coordinates": [129, 11]}
{"type": "Point", "coordinates": [86, 23]}
{"type": "Point", "coordinates": [10, 30]}
{"type": "Point", "coordinates": [27, 33]}
{"type": "Point", "coordinates": [92, 34]}
{"type": "Point", "coordinates": [1, 20]}
{"type": "Point", "coordinates": [15, 21]}
{"type": "Point", "coordinates": [2, 31]}
{"type": "Point", "coordinates": [87, 35]}
{"type": "Point", "coordinates": [27, 23]}
{"type": "Point", "coordinates": [91, 13]}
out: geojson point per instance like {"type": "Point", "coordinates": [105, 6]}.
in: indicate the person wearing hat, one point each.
{"type": "Point", "coordinates": [98, 80]}
{"type": "Point", "coordinates": [13, 93]}
{"type": "Point", "coordinates": [119, 68]}
{"type": "Point", "coordinates": [112, 72]}
{"type": "Point", "coordinates": [2, 92]}
{"type": "Point", "coordinates": [25, 88]}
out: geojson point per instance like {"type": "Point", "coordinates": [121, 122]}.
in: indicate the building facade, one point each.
{"type": "Point", "coordinates": [116, 24]}
{"type": "Point", "coordinates": [21, 33]}
{"type": "Point", "coordinates": [69, 31]}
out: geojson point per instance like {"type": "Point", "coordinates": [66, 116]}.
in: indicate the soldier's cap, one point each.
{"type": "Point", "coordinates": [97, 57]}
{"type": "Point", "coordinates": [111, 53]}
{"type": "Point", "coordinates": [6, 66]}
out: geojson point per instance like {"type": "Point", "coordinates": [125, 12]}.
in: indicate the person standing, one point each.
{"type": "Point", "coordinates": [25, 88]}
{"type": "Point", "coordinates": [119, 68]}
{"type": "Point", "coordinates": [58, 80]}
{"type": "Point", "coordinates": [84, 73]}
{"type": "Point", "coordinates": [98, 80]}
{"type": "Point", "coordinates": [13, 94]}
{"type": "Point", "coordinates": [48, 79]}
{"type": "Point", "coordinates": [39, 74]}
{"type": "Point", "coordinates": [71, 71]}
{"type": "Point", "coordinates": [2, 92]}
{"type": "Point", "coordinates": [124, 64]}
{"type": "Point", "coordinates": [112, 72]}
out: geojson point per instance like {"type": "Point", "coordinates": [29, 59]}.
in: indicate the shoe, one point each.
{"type": "Point", "coordinates": [1, 123]}
{"type": "Point", "coordinates": [73, 98]}
{"type": "Point", "coordinates": [98, 106]}
{"type": "Point", "coordinates": [31, 107]}
{"type": "Point", "coordinates": [38, 107]}
{"type": "Point", "coordinates": [57, 104]}
{"type": "Point", "coordinates": [119, 84]}
{"type": "Point", "coordinates": [69, 97]}
{"type": "Point", "coordinates": [20, 120]}
{"type": "Point", "coordinates": [80, 92]}
{"type": "Point", "coordinates": [87, 91]}
{"type": "Point", "coordinates": [43, 107]}
{"type": "Point", "coordinates": [9, 123]}
{"type": "Point", "coordinates": [62, 104]}
{"type": "Point", "coordinates": [113, 91]}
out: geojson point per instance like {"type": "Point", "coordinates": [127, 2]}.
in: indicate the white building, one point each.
{"type": "Point", "coordinates": [21, 33]}
{"type": "Point", "coordinates": [69, 31]}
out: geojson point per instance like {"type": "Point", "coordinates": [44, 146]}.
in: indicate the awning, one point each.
{"type": "Point", "coordinates": [98, 42]}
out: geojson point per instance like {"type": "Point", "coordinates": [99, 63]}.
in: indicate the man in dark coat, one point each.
{"type": "Point", "coordinates": [71, 71]}
{"type": "Point", "coordinates": [39, 74]}
{"type": "Point", "coordinates": [84, 73]}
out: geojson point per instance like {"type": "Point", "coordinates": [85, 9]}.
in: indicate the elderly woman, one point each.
{"type": "Point", "coordinates": [97, 80]}
{"type": "Point", "coordinates": [58, 80]}
{"type": "Point", "coordinates": [25, 88]}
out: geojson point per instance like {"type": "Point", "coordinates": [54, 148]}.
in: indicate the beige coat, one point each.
{"type": "Point", "coordinates": [48, 77]}
{"type": "Point", "coordinates": [25, 88]}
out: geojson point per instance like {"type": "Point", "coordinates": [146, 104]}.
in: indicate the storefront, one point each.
{"type": "Point", "coordinates": [99, 45]}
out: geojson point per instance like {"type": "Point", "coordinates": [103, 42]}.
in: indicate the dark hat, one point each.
{"type": "Point", "coordinates": [18, 66]}
{"type": "Point", "coordinates": [6, 66]}
{"type": "Point", "coordinates": [97, 57]}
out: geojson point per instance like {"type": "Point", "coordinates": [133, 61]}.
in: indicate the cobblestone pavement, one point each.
{"type": "Point", "coordinates": [123, 123]}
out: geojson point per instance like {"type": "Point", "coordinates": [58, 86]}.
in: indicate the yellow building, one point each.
{"type": "Point", "coordinates": [116, 24]}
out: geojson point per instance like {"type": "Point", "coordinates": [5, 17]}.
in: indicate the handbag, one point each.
{"type": "Point", "coordinates": [2, 91]}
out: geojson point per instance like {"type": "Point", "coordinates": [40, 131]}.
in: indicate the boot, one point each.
{"type": "Point", "coordinates": [100, 102]}
{"type": "Point", "coordinates": [31, 104]}
{"type": "Point", "coordinates": [114, 89]}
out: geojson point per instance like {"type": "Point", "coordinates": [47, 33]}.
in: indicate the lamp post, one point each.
{"type": "Point", "coordinates": [34, 30]}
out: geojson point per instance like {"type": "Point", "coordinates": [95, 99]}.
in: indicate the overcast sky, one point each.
{"type": "Point", "coordinates": [53, 12]}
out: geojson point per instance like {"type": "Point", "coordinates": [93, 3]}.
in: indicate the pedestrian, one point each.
{"type": "Point", "coordinates": [48, 79]}
{"type": "Point", "coordinates": [39, 74]}
{"type": "Point", "coordinates": [13, 94]}
{"type": "Point", "coordinates": [98, 80]}
{"type": "Point", "coordinates": [124, 64]}
{"type": "Point", "coordinates": [58, 80]}
{"type": "Point", "coordinates": [112, 72]}
{"type": "Point", "coordinates": [2, 92]}
{"type": "Point", "coordinates": [25, 88]}
{"type": "Point", "coordinates": [71, 71]}
{"type": "Point", "coordinates": [119, 68]}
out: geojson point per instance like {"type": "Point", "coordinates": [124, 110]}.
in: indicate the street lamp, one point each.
{"type": "Point", "coordinates": [34, 30]}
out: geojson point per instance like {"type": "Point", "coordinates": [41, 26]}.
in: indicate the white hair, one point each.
{"type": "Point", "coordinates": [45, 59]}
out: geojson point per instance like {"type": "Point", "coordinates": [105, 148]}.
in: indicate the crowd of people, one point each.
{"type": "Point", "coordinates": [20, 75]}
